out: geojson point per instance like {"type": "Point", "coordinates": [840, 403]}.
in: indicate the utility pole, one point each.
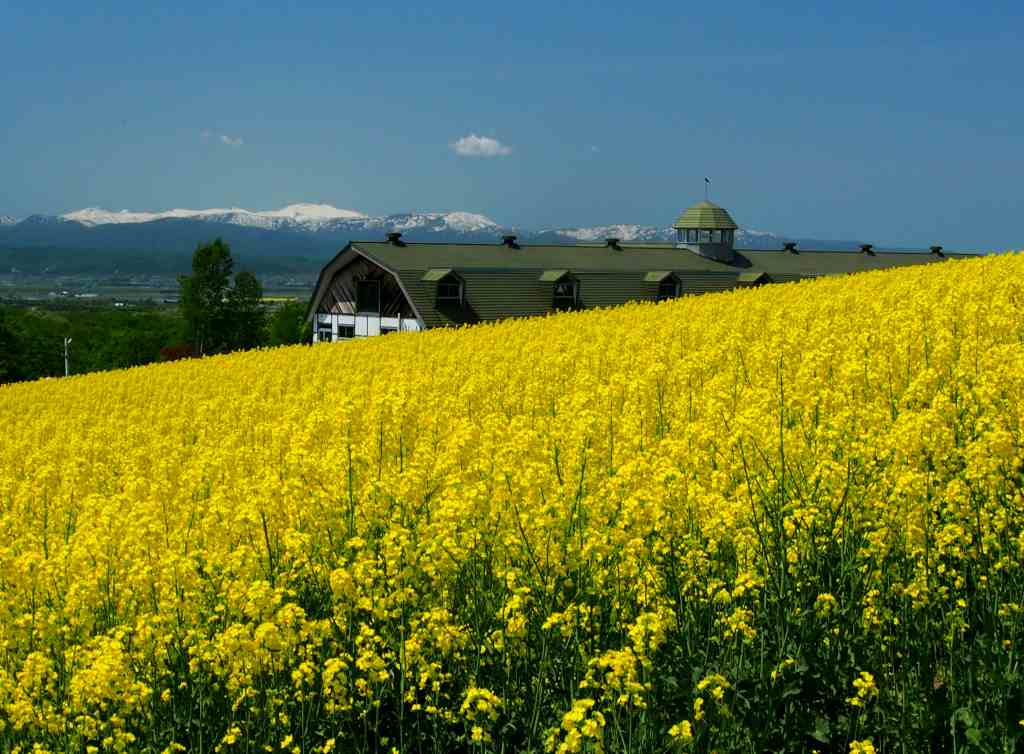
{"type": "Point", "coordinates": [67, 342]}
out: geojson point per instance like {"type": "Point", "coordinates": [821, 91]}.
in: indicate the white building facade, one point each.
{"type": "Point", "coordinates": [334, 327]}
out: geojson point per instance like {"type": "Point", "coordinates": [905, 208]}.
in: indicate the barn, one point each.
{"type": "Point", "coordinates": [387, 286]}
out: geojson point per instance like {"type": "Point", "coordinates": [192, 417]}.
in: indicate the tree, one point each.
{"type": "Point", "coordinates": [203, 296]}
{"type": "Point", "coordinates": [288, 325]}
{"type": "Point", "coordinates": [219, 316]}
{"type": "Point", "coordinates": [10, 347]}
{"type": "Point", "coordinates": [248, 320]}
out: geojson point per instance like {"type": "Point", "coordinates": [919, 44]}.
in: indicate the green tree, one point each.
{"type": "Point", "coordinates": [288, 325]}
{"type": "Point", "coordinates": [9, 349]}
{"type": "Point", "coordinates": [248, 320]}
{"type": "Point", "coordinates": [221, 316]}
{"type": "Point", "coordinates": [204, 296]}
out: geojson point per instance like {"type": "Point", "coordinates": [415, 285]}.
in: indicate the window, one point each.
{"type": "Point", "coordinates": [449, 290]}
{"type": "Point", "coordinates": [566, 294]}
{"type": "Point", "coordinates": [323, 334]}
{"type": "Point", "coordinates": [668, 288]}
{"type": "Point", "coordinates": [346, 332]}
{"type": "Point", "coordinates": [388, 330]}
{"type": "Point", "coordinates": [368, 296]}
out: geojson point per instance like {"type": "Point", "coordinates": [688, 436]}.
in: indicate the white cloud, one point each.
{"type": "Point", "coordinates": [206, 135]}
{"type": "Point", "coordinates": [480, 146]}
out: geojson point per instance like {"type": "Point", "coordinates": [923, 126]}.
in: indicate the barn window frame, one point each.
{"type": "Point", "coordinates": [363, 303]}
{"type": "Point", "coordinates": [566, 294]}
{"type": "Point", "coordinates": [451, 290]}
{"type": "Point", "coordinates": [669, 288]}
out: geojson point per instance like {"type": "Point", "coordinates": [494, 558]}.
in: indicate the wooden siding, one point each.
{"type": "Point", "coordinates": [340, 296]}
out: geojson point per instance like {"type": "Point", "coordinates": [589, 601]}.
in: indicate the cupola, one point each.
{"type": "Point", "coordinates": [708, 230]}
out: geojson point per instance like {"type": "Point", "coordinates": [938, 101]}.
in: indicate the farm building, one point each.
{"type": "Point", "coordinates": [380, 287]}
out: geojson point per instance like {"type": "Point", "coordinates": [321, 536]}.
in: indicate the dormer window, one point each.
{"type": "Point", "coordinates": [567, 294]}
{"type": "Point", "coordinates": [564, 287]}
{"type": "Point", "coordinates": [668, 288]}
{"type": "Point", "coordinates": [449, 291]}
{"type": "Point", "coordinates": [667, 281]}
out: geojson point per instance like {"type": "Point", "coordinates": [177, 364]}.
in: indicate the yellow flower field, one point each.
{"type": "Point", "coordinates": [780, 519]}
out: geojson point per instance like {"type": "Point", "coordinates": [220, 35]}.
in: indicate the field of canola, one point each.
{"type": "Point", "coordinates": [783, 519]}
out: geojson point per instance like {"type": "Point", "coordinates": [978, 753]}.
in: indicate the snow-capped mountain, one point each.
{"type": "Point", "coordinates": [437, 222]}
{"type": "Point", "coordinates": [7, 220]}
{"type": "Point", "coordinates": [299, 237]}
{"type": "Point", "coordinates": [325, 218]}
{"type": "Point", "coordinates": [651, 234]}
{"type": "Point", "coordinates": [621, 232]}
{"type": "Point", "coordinates": [297, 216]}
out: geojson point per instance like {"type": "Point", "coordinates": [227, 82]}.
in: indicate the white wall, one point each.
{"type": "Point", "coordinates": [366, 325]}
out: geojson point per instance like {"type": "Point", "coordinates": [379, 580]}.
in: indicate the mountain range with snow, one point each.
{"type": "Point", "coordinates": [317, 218]}
{"type": "Point", "coordinates": [307, 216]}
{"type": "Point", "coordinates": [299, 236]}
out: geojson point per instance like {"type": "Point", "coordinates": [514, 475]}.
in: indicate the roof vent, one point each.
{"type": "Point", "coordinates": [867, 248]}
{"type": "Point", "coordinates": [395, 239]}
{"type": "Point", "coordinates": [790, 246]}
{"type": "Point", "coordinates": [613, 243]}
{"type": "Point", "coordinates": [510, 241]}
{"type": "Point", "coordinates": [937, 251]}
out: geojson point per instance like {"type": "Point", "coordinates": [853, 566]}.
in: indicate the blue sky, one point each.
{"type": "Point", "coordinates": [898, 123]}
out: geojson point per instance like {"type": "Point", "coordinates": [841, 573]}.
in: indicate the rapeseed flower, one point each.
{"type": "Point", "coordinates": [555, 533]}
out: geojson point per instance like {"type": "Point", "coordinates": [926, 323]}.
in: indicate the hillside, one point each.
{"type": "Point", "coordinates": [779, 519]}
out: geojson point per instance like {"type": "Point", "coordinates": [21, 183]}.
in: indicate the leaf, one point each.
{"type": "Point", "coordinates": [822, 730]}
{"type": "Point", "coordinates": [963, 715]}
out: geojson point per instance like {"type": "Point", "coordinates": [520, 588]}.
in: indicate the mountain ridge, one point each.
{"type": "Point", "coordinates": [299, 237]}
{"type": "Point", "coordinates": [303, 213]}
{"type": "Point", "coordinates": [325, 218]}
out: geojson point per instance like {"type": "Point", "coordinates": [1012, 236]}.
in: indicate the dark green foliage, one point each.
{"type": "Point", "coordinates": [31, 339]}
{"type": "Point", "coordinates": [9, 347]}
{"type": "Point", "coordinates": [220, 316]}
{"type": "Point", "coordinates": [204, 297]}
{"type": "Point", "coordinates": [215, 316]}
{"type": "Point", "coordinates": [246, 318]}
{"type": "Point", "coordinates": [288, 325]}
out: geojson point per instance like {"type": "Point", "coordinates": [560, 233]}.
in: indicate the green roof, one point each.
{"type": "Point", "coordinates": [501, 282]}
{"type": "Point", "coordinates": [656, 276]}
{"type": "Point", "coordinates": [553, 276]}
{"type": "Point", "coordinates": [705, 216]}
{"type": "Point", "coordinates": [755, 276]}
{"type": "Point", "coordinates": [436, 274]}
